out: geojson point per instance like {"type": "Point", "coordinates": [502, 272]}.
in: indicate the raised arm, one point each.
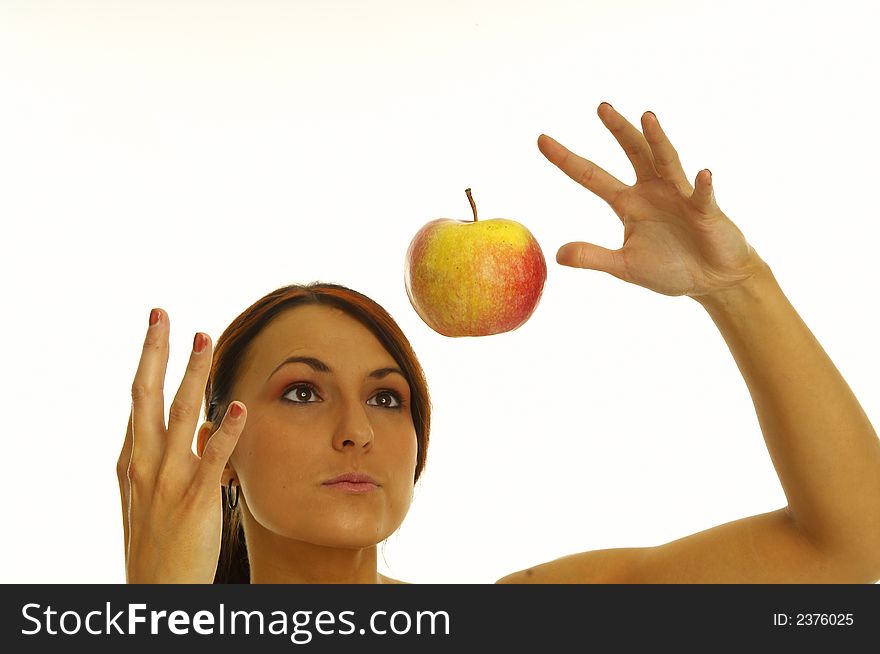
{"type": "Point", "coordinates": [824, 448]}
{"type": "Point", "coordinates": [825, 451]}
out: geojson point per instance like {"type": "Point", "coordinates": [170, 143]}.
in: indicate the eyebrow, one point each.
{"type": "Point", "coordinates": [320, 366]}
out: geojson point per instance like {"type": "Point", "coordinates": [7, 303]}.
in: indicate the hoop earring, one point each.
{"type": "Point", "coordinates": [228, 494]}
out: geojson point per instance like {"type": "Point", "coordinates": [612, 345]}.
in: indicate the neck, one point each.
{"type": "Point", "coordinates": [277, 560]}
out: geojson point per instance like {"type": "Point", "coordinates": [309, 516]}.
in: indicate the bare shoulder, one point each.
{"type": "Point", "coordinates": [388, 580]}
{"type": "Point", "coordinates": [612, 566]}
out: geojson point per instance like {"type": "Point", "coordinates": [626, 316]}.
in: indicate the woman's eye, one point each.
{"type": "Point", "coordinates": [386, 399]}
{"type": "Point", "coordinates": [301, 393]}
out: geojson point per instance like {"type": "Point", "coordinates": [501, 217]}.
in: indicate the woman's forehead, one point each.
{"type": "Point", "coordinates": [312, 322]}
{"type": "Point", "coordinates": [319, 331]}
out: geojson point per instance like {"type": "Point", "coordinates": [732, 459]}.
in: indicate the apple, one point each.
{"type": "Point", "coordinates": [474, 278]}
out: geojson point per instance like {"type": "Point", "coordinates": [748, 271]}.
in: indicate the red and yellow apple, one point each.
{"type": "Point", "coordinates": [474, 278]}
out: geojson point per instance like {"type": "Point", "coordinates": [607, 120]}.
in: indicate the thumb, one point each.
{"type": "Point", "coordinates": [221, 444]}
{"type": "Point", "coordinates": [704, 193]}
{"type": "Point", "coordinates": [592, 257]}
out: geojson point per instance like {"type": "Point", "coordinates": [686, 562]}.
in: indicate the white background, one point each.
{"type": "Point", "coordinates": [197, 155]}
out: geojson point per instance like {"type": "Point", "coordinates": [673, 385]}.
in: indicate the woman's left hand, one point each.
{"type": "Point", "coordinates": [676, 241]}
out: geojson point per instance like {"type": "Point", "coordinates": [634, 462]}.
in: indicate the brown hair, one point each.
{"type": "Point", "coordinates": [233, 566]}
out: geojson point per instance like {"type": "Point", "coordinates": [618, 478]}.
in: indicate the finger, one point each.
{"type": "Point", "coordinates": [183, 414]}
{"type": "Point", "coordinates": [666, 159]}
{"type": "Point", "coordinates": [222, 443]}
{"type": "Point", "coordinates": [122, 474]}
{"type": "Point", "coordinates": [631, 140]}
{"type": "Point", "coordinates": [148, 400]}
{"type": "Point", "coordinates": [125, 453]}
{"type": "Point", "coordinates": [584, 172]}
{"type": "Point", "coordinates": [592, 257]}
{"type": "Point", "coordinates": [703, 196]}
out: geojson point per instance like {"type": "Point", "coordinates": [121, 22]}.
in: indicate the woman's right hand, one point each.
{"type": "Point", "coordinates": [171, 508]}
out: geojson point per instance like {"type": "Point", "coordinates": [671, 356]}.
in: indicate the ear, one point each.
{"type": "Point", "coordinates": [205, 431]}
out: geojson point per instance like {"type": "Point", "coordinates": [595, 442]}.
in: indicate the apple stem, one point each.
{"type": "Point", "coordinates": [471, 200]}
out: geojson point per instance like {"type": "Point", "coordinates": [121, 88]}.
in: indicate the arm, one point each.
{"type": "Point", "coordinates": [678, 242]}
{"type": "Point", "coordinates": [822, 444]}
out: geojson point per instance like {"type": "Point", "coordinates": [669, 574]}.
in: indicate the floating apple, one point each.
{"type": "Point", "coordinates": [474, 278]}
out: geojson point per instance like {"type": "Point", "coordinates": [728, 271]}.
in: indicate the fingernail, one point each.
{"type": "Point", "coordinates": [199, 342]}
{"type": "Point", "coordinates": [608, 103]}
{"type": "Point", "coordinates": [653, 115]}
{"type": "Point", "coordinates": [559, 254]}
{"type": "Point", "coordinates": [155, 314]}
{"type": "Point", "coordinates": [235, 410]}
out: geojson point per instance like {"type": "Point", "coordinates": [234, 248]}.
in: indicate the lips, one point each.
{"type": "Point", "coordinates": [353, 477]}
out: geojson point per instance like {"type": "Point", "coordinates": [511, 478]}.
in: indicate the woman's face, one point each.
{"type": "Point", "coordinates": [345, 409]}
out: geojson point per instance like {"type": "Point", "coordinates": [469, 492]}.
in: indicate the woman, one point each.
{"type": "Point", "coordinates": [311, 383]}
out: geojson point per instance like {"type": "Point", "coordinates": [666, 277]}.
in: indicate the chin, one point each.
{"type": "Point", "coordinates": [333, 524]}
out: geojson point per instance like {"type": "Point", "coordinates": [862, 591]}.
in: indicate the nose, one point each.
{"type": "Point", "coordinates": [353, 428]}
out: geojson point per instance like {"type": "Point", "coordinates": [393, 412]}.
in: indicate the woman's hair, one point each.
{"type": "Point", "coordinates": [233, 566]}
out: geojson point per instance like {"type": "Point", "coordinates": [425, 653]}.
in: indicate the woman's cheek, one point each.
{"type": "Point", "coordinates": [275, 455]}
{"type": "Point", "coordinates": [291, 430]}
